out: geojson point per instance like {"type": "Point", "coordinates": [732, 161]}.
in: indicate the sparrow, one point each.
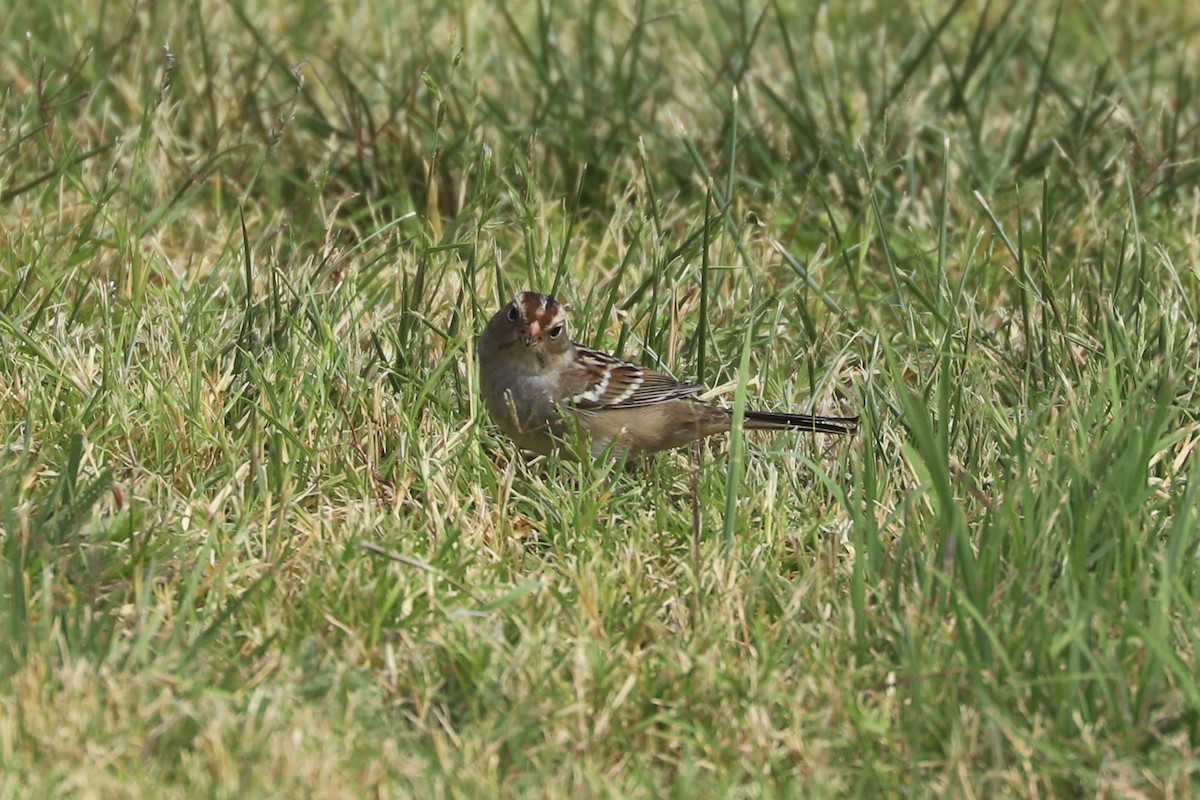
{"type": "Point", "coordinates": [540, 387]}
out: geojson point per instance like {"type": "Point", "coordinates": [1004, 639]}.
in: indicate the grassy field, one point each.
{"type": "Point", "coordinates": [259, 538]}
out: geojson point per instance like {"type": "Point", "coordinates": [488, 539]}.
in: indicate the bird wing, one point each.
{"type": "Point", "coordinates": [598, 381]}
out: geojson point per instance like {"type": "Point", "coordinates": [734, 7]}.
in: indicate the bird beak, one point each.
{"type": "Point", "coordinates": [531, 333]}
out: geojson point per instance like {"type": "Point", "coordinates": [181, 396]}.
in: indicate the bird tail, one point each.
{"type": "Point", "coordinates": [766, 420]}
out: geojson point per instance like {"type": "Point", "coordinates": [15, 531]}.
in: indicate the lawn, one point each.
{"type": "Point", "coordinates": [260, 538]}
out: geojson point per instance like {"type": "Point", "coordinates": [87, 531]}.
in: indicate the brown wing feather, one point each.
{"type": "Point", "coordinates": [626, 385]}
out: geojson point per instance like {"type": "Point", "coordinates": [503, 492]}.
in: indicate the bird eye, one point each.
{"type": "Point", "coordinates": [556, 331]}
{"type": "Point", "coordinates": [513, 315]}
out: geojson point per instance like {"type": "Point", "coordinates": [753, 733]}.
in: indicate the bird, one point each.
{"type": "Point", "coordinates": [539, 387]}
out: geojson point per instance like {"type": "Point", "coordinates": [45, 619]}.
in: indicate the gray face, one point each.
{"type": "Point", "coordinates": [533, 326]}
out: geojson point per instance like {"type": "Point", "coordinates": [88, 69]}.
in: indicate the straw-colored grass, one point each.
{"type": "Point", "coordinates": [259, 538]}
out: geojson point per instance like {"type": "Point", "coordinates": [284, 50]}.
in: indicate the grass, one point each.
{"type": "Point", "coordinates": [260, 540]}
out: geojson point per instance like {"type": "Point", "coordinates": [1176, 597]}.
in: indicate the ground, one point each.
{"type": "Point", "coordinates": [260, 538]}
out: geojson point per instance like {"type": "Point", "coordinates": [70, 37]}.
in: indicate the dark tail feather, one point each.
{"type": "Point", "coordinates": [765, 420]}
